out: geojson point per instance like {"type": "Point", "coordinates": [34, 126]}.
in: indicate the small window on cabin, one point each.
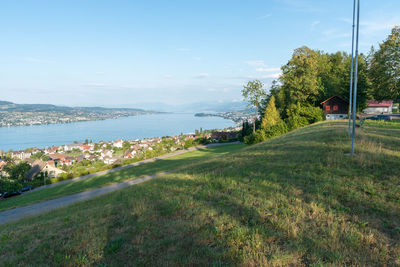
{"type": "Point", "coordinates": [335, 107]}
{"type": "Point", "coordinates": [328, 107]}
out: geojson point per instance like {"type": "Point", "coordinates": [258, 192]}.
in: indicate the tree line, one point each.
{"type": "Point", "coordinates": [312, 76]}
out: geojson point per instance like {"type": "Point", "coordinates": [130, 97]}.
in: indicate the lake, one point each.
{"type": "Point", "coordinates": [127, 128]}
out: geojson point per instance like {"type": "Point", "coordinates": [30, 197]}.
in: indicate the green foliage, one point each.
{"type": "Point", "coordinates": [271, 115]}
{"type": "Point", "coordinates": [276, 130]}
{"type": "Point", "coordinates": [188, 143]}
{"type": "Point", "coordinates": [385, 68]}
{"type": "Point", "coordinates": [38, 180]}
{"type": "Point", "coordinates": [17, 172]}
{"type": "Point", "coordinates": [300, 80]}
{"type": "Point", "coordinates": [9, 185]}
{"type": "Point", "coordinates": [271, 125]}
{"type": "Point", "coordinates": [38, 155]}
{"type": "Point", "coordinates": [254, 93]}
{"type": "Point", "coordinates": [302, 116]}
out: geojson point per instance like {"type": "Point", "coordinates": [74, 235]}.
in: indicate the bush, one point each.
{"type": "Point", "coordinates": [258, 137]}
{"type": "Point", "coordinates": [276, 130]}
{"type": "Point", "coordinates": [302, 116]}
{"type": "Point", "coordinates": [312, 114]}
{"type": "Point", "coordinates": [8, 185]}
{"type": "Point", "coordinates": [295, 121]}
{"type": "Point", "coordinates": [188, 143]}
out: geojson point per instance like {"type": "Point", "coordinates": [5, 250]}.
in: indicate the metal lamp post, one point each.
{"type": "Point", "coordinates": [355, 80]}
{"type": "Point", "coordinates": [352, 67]}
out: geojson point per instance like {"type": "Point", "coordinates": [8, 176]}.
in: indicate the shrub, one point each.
{"type": "Point", "coordinates": [295, 121]}
{"type": "Point", "coordinates": [258, 137]}
{"type": "Point", "coordinates": [188, 143]}
{"type": "Point", "coordinates": [312, 114]}
{"type": "Point", "coordinates": [8, 185]}
{"type": "Point", "coordinates": [276, 130]}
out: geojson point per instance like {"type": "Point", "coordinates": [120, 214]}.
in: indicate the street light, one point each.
{"type": "Point", "coordinates": [352, 67]}
{"type": "Point", "coordinates": [355, 80]}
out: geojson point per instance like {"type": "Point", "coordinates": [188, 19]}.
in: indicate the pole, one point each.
{"type": "Point", "coordinates": [352, 67]}
{"type": "Point", "coordinates": [355, 80]}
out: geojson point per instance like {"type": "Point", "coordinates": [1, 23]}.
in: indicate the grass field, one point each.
{"type": "Point", "coordinates": [297, 200]}
{"type": "Point", "coordinates": [115, 177]}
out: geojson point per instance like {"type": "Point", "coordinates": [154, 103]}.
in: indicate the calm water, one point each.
{"type": "Point", "coordinates": [22, 137]}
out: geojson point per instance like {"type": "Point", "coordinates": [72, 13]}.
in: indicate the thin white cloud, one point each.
{"type": "Point", "coordinates": [167, 76]}
{"type": "Point", "coordinates": [265, 16]}
{"type": "Point", "coordinates": [202, 75]}
{"type": "Point", "coordinates": [268, 69]}
{"type": "Point", "coordinates": [261, 77]}
{"type": "Point", "coordinates": [314, 24]}
{"type": "Point", "coordinates": [377, 25]}
{"type": "Point", "coordinates": [255, 63]}
{"type": "Point", "coordinates": [331, 34]}
{"type": "Point", "coordinates": [37, 60]}
{"type": "Point", "coordinates": [101, 85]}
{"type": "Point", "coordinates": [273, 75]}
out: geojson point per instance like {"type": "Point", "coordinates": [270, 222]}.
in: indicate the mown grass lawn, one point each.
{"type": "Point", "coordinates": [295, 200]}
{"type": "Point", "coordinates": [171, 163]}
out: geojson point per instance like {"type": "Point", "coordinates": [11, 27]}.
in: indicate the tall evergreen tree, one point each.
{"type": "Point", "coordinates": [271, 115]}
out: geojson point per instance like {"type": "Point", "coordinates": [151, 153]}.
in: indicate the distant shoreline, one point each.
{"type": "Point", "coordinates": [127, 128]}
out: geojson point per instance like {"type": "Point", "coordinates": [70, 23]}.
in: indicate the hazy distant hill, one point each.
{"type": "Point", "coordinates": [9, 106]}
{"type": "Point", "coordinates": [12, 114]}
{"type": "Point", "coordinates": [211, 106]}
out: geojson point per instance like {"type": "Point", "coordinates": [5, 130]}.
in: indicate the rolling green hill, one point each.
{"type": "Point", "coordinates": [297, 200]}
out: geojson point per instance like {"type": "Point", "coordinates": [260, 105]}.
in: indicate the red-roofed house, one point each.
{"type": "Point", "coordinates": [86, 147]}
{"type": "Point", "coordinates": [376, 107]}
{"type": "Point", "coordinates": [335, 108]}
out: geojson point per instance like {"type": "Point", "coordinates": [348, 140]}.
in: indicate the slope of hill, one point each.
{"type": "Point", "coordinates": [297, 200]}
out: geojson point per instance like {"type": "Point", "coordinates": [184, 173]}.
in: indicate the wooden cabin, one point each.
{"type": "Point", "coordinates": [335, 108]}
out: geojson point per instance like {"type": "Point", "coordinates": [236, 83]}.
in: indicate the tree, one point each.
{"type": "Point", "coordinates": [253, 92]}
{"type": "Point", "coordinates": [17, 172]}
{"type": "Point", "coordinates": [271, 116]}
{"type": "Point", "coordinates": [385, 68]}
{"type": "Point", "coordinates": [300, 80]}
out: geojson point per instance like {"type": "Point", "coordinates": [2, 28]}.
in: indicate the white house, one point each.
{"type": "Point", "coordinates": [376, 107]}
{"type": "Point", "coordinates": [119, 143]}
{"type": "Point", "coordinates": [21, 154]}
{"type": "Point", "coordinates": [106, 153]}
{"type": "Point", "coordinates": [72, 146]}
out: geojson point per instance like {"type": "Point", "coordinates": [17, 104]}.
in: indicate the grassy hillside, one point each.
{"type": "Point", "coordinates": [293, 200]}
{"type": "Point", "coordinates": [116, 177]}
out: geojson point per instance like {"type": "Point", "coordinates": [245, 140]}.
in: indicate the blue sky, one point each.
{"type": "Point", "coordinates": [126, 53]}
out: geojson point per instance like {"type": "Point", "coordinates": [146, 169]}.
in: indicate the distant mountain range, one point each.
{"type": "Point", "coordinates": [209, 107]}
{"type": "Point", "coordinates": [12, 114]}
{"type": "Point", "coordinates": [12, 107]}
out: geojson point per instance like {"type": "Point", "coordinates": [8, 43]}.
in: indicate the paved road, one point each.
{"type": "Point", "coordinates": [179, 152]}
{"type": "Point", "coordinates": [48, 205]}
